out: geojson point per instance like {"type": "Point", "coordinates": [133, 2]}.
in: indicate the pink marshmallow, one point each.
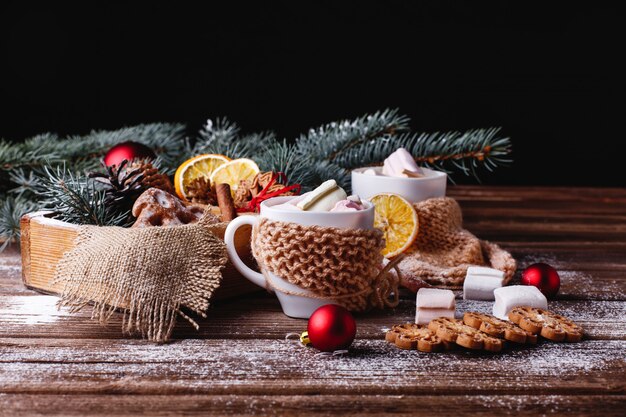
{"type": "Point", "coordinates": [398, 162]}
{"type": "Point", "coordinates": [346, 205]}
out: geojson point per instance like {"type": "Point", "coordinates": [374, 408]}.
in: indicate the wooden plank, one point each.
{"type": "Point", "coordinates": [260, 317]}
{"type": "Point", "coordinates": [318, 405]}
{"type": "Point", "coordinates": [267, 366]}
{"type": "Point", "coordinates": [601, 195]}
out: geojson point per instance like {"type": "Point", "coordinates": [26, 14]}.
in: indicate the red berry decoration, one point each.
{"type": "Point", "coordinates": [129, 151]}
{"type": "Point", "coordinates": [544, 277]}
{"type": "Point", "coordinates": [331, 327]}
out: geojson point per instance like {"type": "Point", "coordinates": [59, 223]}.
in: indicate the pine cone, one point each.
{"type": "Point", "coordinates": [152, 178]}
{"type": "Point", "coordinates": [200, 191]}
{"type": "Point", "coordinates": [122, 184]}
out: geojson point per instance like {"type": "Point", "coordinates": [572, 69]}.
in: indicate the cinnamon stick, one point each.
{"type": "Point", "coordinates": [225, 202]}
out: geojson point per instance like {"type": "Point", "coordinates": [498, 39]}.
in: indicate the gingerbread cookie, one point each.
{"type": "Point", "coordinates": [501, 329]}
{"type": "Point", "coordinates": [414, 336]}
{"type": "Point", "coordinates": [550, 325]}
{"type": "Point", "coordinates": [155, 207]}
{"type": "Point", "coordinates": [453, 330]}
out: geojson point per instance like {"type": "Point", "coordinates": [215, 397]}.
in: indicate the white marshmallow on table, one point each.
{"type": "Point", "coordinates": [507, 298]}
{"type": "Point", "coordinates": [400, 161]}
{"type": "Point", "coordinates": [426, 315]}
{"type": "Point", "coordinates": [432, 303]}
{"type": "Point", "coordinates": [480, 282]}
{"type": "Point", "coordinates": [435, 298]}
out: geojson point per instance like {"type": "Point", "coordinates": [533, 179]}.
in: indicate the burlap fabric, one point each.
{"type": "Point", "coordinates": [151, 273]}
{"type": "Point", "coordinates": [343, 266]}
{"type": "Point", "coordinates": [443, 250]}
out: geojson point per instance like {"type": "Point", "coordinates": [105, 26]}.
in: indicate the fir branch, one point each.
{"type": "Point", "coordinates": [11, 211]}
{"type": "Point", "coordinates": [76, 199]}
{"type": "Point", "coordinates": [223, 130]}
{"type": "Point", "coordinates": [329, 142]}
{"type": "Point", "coordinates": [464, 151]}
{"type": "Point", "coordinates": [167, 140]}
{"type": "Point", "coordinates": [461, 151]}
{"type": "Point", "coordinates": [283, 157]}
{"type": "Point", "coordinates": [31, 152]}
{"type": "Point", "coordinates": [224, 138]}
{"type": "Point", "coordinates": [449, 151]}
{"type": "Point", "coordinates": [29, 183]}
{"type": "Point", "coordinates": [215, 136]}
{"type": "Point", "coordinates": [84, 152]}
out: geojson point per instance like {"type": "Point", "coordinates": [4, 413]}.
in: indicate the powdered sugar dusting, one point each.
{"type": "Point", "coordinates": [30, 310]}
{"type": "Point", "coordinates": [218, 365]}
{"type": "Point", "coordinates": [527, 260]}
{"type": "Point", "coordinates": [577, 284]}
{"type": "Point", "coordinates": [10, 268]}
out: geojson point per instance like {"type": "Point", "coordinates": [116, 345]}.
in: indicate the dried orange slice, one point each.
{"type": "Point", "coordinates": [196, 167]}
{"type": "Point", "coordinates": [398, 220]}
{"type": "Point", "coordinates": [234, 171]}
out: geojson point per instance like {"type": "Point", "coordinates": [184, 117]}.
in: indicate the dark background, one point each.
{"type": "Point", "coordinates": [551, 77]}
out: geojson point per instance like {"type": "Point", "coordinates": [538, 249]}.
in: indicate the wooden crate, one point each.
{"type": "Point", "coordinates": [45, 240]}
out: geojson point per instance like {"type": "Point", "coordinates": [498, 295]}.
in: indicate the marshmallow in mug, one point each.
{"type": "Point", "coordinates": [329, 196]}
{"type": "Point", "coordinates": [399, 175]}
{"type": "Point", "coordinates": [401, 164]}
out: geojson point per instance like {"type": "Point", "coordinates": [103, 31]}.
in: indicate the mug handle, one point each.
{"type": "Point", "coordinates": [229, 239]}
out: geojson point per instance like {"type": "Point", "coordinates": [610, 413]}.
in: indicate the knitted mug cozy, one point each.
{"type": "Point", "coordinates": [341, 265]}
{"type": "Point", "coordinates": [444, 250]}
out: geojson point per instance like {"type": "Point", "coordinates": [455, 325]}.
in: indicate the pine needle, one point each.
{"type": "Point", "coordinates": [11, 211]}
{"type": "Point", "coordinates": [76, 199]}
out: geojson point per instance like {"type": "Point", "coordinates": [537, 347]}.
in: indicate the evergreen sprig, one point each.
{"type": "Point", "coordinates": [325, 145]}
{"type": "Point", "coordinates": [84, 152]}
{"type": "Point", "coordinates": [224, 137]}
{"type": "Point", "coordinates": [465, 152]}
{"type": "Point", "coordinates": [330, 141]}
{"type": "Point", "coordinates": [77, 199]}
{"type": "Point", "coordinates": [284, 157]}
{"type": "Point", "coordinates": [11, 211]}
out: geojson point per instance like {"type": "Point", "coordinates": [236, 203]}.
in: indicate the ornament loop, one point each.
{"type": "Point", "coordinates": [340, 352]}
{"type": "Point", "coordinates": [299, 338]}
{"type": "Point", "coordinates": [304, 339]}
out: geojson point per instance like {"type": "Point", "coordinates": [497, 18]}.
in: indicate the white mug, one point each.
{"type": "Point", "coordinates": [432, 184]}
{"type": "Point", "coordinates": [293, 305]}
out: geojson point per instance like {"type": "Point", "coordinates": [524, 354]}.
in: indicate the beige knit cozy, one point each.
{"type": "Point", "coordinates": [343, 266]}
{"type": "Point", "coordinates": [444, 250]}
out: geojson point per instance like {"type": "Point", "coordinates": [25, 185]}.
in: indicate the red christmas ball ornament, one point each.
{"type": "Point", "coordinates": [331, 327]}
{"type": "Point", "coordinates": [129, 151]}
{"type": "Point", "coordinates": [544, 277]}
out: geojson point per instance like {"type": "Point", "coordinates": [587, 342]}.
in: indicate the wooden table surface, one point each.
{"type": "Point", "coordinates": [53, 362]}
